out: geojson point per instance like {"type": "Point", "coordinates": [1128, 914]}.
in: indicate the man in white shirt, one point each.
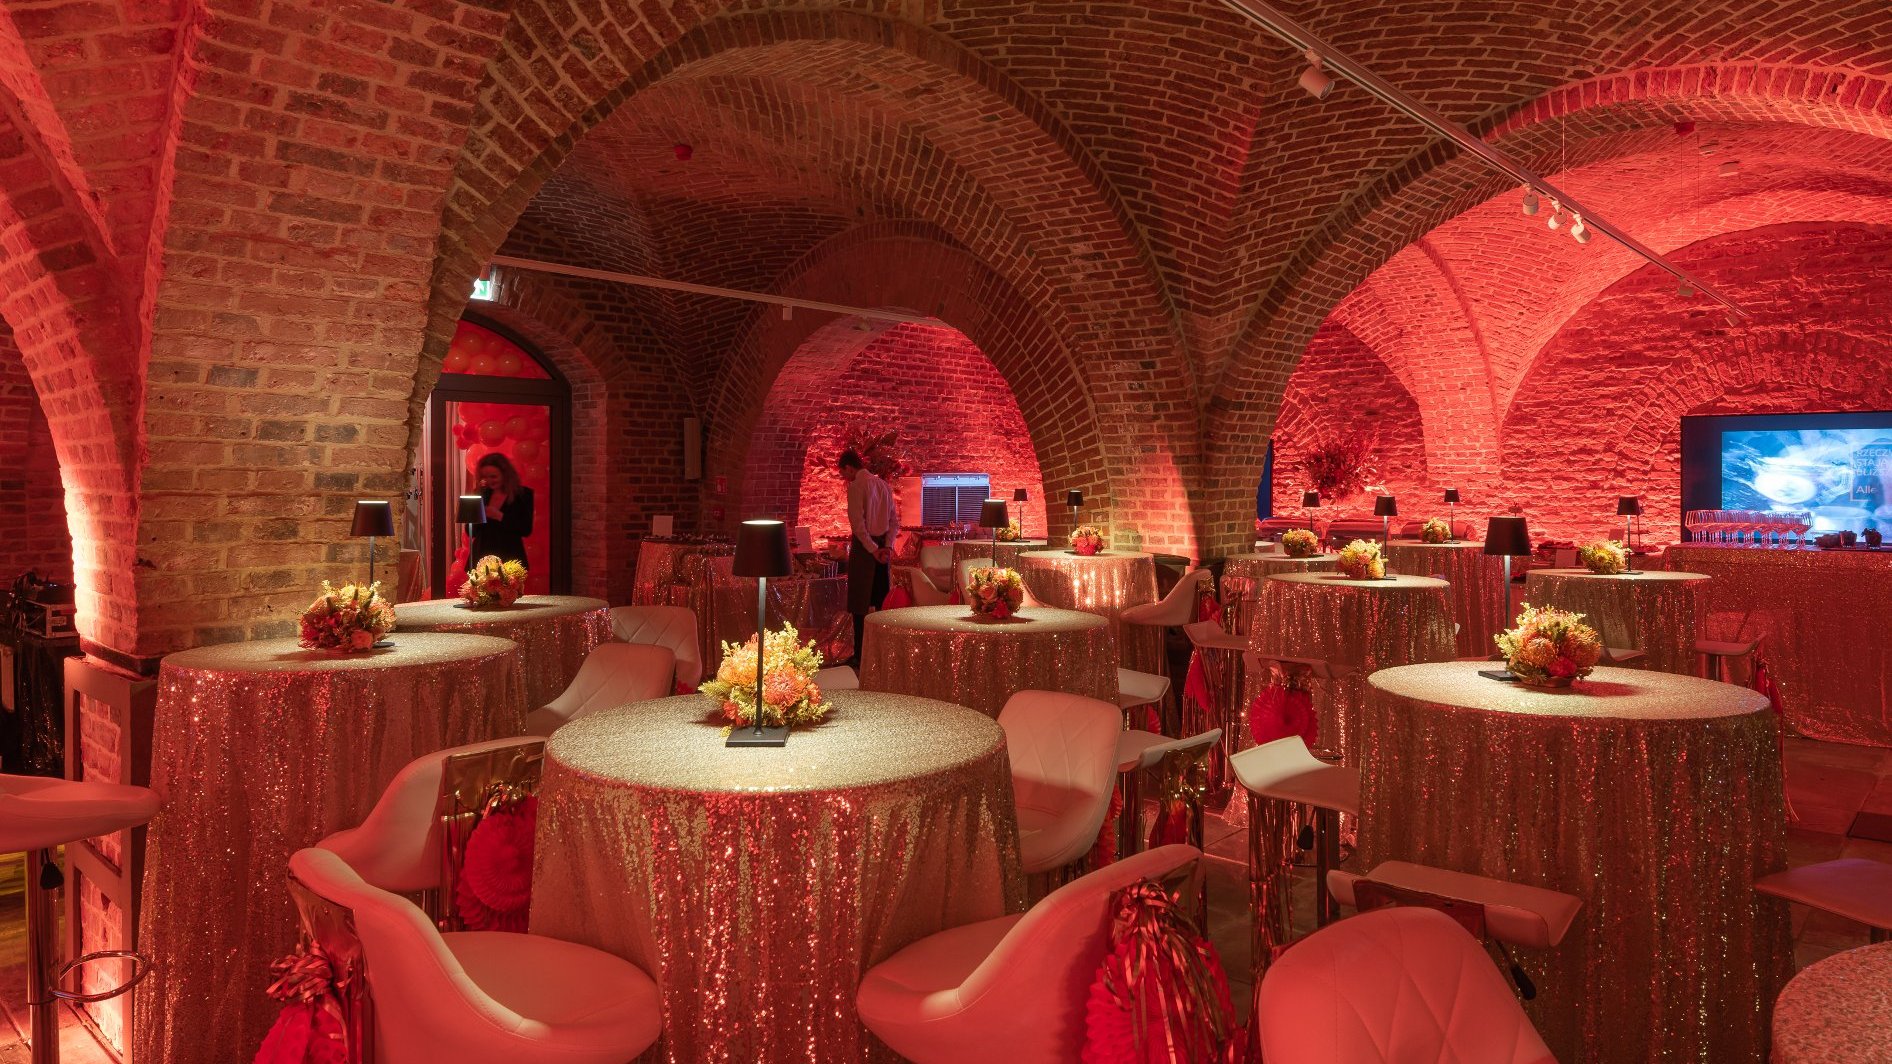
{"type": "Point", "coordinates": [872, 519]}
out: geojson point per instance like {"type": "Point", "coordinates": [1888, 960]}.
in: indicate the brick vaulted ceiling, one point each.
{"type": "Point", "coordinates": [1170, 139]}
{"type": "Point", "coordinates": [226, 225]}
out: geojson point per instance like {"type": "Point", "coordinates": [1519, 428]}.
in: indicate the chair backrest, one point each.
{"type": "Point", "coordinates": [920, 586]}
{"type": "Point", "coordinates": [1035, 983]}
{"type": "Point", "coordinates": [1059, 744]}
{"type": "Point", "coordinates": [664, 626]}
{"type": "Point", "coordinates": [425, 1005]}
{"type": "Point", "coordinates": [963, 574]}
{"type": "Point", "coordinates": [937, 557]}
{"type": "Point", "coordinates": [613, 674]}
{"type": "Point", "coordinates": [837, 678]}
{"type": "Point", "coordinates": [1192, 747]}
{"type": "Point", "coordinates": [398, 845]}
{"type": "Point", "coordinates": [1406, 985]}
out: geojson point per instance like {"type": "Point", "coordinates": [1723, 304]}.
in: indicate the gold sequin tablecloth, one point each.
{"type": "Point", "coordinates": [757, 885]}
{"type": "Point", "coordinates": [1105, 583]}
{"type": "Point", "coordinates": [1477, 593]}
{"type": "Point", "coordinates": [1653, 611]}
{"type": "Point", "coordinates": [1242, 575]}
{"type": "Point", "coordinates": [815, 605]}
{"type": "Point", "coordinates": [1655, 799]}
{"type": "Point", "coordinates": [665, 570]}
{"type": "Point", "coordinates": [1356, 626]}
{"type": "Point", "coordinates": [943, 652]}
{"type": "Point", "coordinates": [555, 631]}
{"type": "Point", "coordinates": [259, 750]}
{"type": "Point", "coordinates": [1837, 1010]}
{"type": "Point", "coordinates": [1819, 611]}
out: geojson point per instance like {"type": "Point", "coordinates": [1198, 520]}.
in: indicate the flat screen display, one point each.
{"type": "Point", "coordinates": [1838, 466]}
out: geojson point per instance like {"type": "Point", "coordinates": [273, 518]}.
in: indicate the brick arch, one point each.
{"type": "Point", "coordinates": [916, 268]}
{"type": "Point", "coordinates": [68, 307]}
{"type": "Point", "coordinates": [1007, 183]}
{"type": "Point", "coordinates": [1342, 387]}
{"type": "Point", "coordinates": [1565, 465]}
{"type": "Point", "coordinates": [1437, 184]}
{"type": "Point", "coordinates": [778, 445]}
{"type": "Point", "coordinates": [563, 333]}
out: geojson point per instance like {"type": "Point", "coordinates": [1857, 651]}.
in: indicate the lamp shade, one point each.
{"type": "Point", "coordinates": [1018, 495]}
{"type": "Point", "coordinates": [1310, 498]}
{"type": "Point", "coordinates": [1628, 506]}
{"type": "Point", "coordinates": [1385, 506]}
{"type": "Point", "coordinates": [1073, 498]}
{"type": "Point", "coordinates": [992, 514]}
{"type": "Point", "coordinates": [762, 550]}
{"type": "Point", "coordinates": [471, 511]}
{"type": "Point", "coordinates": [1451, 495]}
{"type": "Point", "coordinates": [373, 517]}
{"type": "Point", "coordinates": [1508, 536]}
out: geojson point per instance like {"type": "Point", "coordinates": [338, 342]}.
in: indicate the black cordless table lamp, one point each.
{"type": "Point", "coordinates": [761, 552]}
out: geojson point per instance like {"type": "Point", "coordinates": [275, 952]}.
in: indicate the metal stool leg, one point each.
{"type": "Point", "coordinates": [1129, 820]}
{"type": "Point", "coordinates": [1326, 857]}
{"type": "Point", "coordinates": [42, 879]}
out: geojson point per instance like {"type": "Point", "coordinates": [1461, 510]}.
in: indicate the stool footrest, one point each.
{"type": "Point", "coordinates": [140, 967]}
{"type": "Point", "coordinates": [1515, 914]}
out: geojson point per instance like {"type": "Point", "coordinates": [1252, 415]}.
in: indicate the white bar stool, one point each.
{"type": "Point", "coordinates": [1853, 887]}
{"type": "Point", "coordinates": [36, 815]}
{"type": "Point", "coordinates": [1284, 772]}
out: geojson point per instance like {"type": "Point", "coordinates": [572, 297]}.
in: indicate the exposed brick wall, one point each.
{"type": "Point", "coordinates": [954, 413]}
{"type": "Point", "coordinates": [33, 533]}
{"type": "Point", "coordinates": [1341, 389]}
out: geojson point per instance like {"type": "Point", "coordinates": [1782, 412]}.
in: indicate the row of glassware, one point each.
{"type": "Point", "coordinates": [1752, 528]}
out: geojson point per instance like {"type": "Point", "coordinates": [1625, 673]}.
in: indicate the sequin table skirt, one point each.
{"type": "Point", "coordinates": [1242, 576]}
{"type": "Point", "coordinates": [1837, 1011]}
{"type": "Point", "coordinates": [941, 652]}
{"type": "Point", "coordinates": [555, 631]}
{"type": "Point", "coordinates": [756, 886]}
{"type": "Point", "coordinates": [1477, 593]}
{"type": "Point", "coordinates": [1821, 613]}
{"type": "Point", "coordinates": [1357, 627]}
{"type": "Point", "coordinates": [1658, 613]}
{"type": "Point", "coordinates": [1654, 799]}
{"type": "Point", "coordinates": [1006, 555]}
{"type": "Point", "coordinates": [1106, 583]}
{"type": "Point", "coordinates": [665, 570]}
{"type": "Point", "coordinates": [261, 749]}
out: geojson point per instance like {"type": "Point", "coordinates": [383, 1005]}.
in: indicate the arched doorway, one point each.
{"type": "Point", "coordinates": [496, 395]}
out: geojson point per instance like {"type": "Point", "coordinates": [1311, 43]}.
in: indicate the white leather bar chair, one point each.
{"type": "Point", "coordinates": [1063, 751]}
{"type": "Point", "coordinates": [1174, 610]}
{"type": "Point", "coordinates": [921, 586]}
{"type": "Point", "coordinates": [37, 815]}
{"type": "Point", "coordinates": [1136, 689]}
{"type": "Point", "coordinates": [1855, 888]}
{"type": "Point", "coordinates": [1011, 989]}
{"type": "Point", "coordinates": [1393, 986]}
{"type": "Point", "coordinates": [962, 575]}
{"type": "Point", "coordinates": [613, 674]}
{"type": "Point", "coordinates": [1287, 776]}
{"type": "Point", "coordinates": [1715, 658]}
{"type": "Point", "coordinates": [483, 997]}
{"type": "Point", "coordinates": [664, 626]}
{"type": "Point", "coordinates": [936, 560]}
{"type": "Point", "coordinates": [838, 678]}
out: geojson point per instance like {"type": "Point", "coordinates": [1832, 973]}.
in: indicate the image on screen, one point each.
{"type": "Point", "coordinates": [1842, 475]}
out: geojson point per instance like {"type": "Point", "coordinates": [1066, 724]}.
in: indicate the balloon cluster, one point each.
{"type": "Point", "coordinates": [485, 353]}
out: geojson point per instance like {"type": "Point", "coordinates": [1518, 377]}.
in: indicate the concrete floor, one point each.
{"type": "Point", "coordinates": [1828, 784]}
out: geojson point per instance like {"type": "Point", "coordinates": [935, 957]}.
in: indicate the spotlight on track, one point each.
{"type": "Point", "coordinates": [1531, 203]}
{"type": "Point", "coordinates": [1578, 231]}
{"type": "Point", "coordinates": [1556, 219]}
{"type": "Point", "coordinates": [1315, 81]}
{"type": "Point", "coordinates": [1687, 291]}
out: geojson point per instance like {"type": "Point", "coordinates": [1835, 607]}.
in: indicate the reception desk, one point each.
{"type": "Point", "coordinates": [1823, 614]}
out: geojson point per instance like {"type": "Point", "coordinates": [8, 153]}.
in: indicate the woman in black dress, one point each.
{"type": "Point", "coordinates": [508, 512]}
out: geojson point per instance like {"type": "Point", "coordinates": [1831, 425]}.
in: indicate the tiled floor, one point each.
{"type": "Point", "coordinates": [1827, 783]}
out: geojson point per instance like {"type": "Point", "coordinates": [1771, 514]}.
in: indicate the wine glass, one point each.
{"type": "Point", "coordinates": [1691, 520]}
{"type": "Point", "coordinates": [1799, 521]}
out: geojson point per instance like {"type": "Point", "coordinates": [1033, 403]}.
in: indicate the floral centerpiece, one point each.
{"type": "Point", "coordinates": [1299, 543]}
{"type": "Point", "coordinates": [493, 583]}
{"type": "Point", "coordinates": [348, 618]}
{"type": "Point", "coordinates": [1009, 534]}
{"type": "Point", "coordinates": [1087, 539]}
{"type": "Point", "coordinates": [1361, 560]}
{"type": "Point", "coordinates": [790, 695]}
{"type": "Point", "coordinates": [995, 593]}
{"type": "Point", "coordinates": [1435, 530]}
{"type": "Point", "coordinates": [1605, 557]}
{"type": "Point", "coordinates": [1549, 647]}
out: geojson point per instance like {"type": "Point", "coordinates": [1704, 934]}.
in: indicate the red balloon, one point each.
{"type": "Point", "coordinates": [456, 360]}
{"type": "Point", "coordinates": [483, 364]}
{"type": "Point", "coordinates": [491, 433]}
{"type": "Point", "coordinates": [526, 450]}
{"type": "Point", "coordinates": [533, 473]}
{"type": "Point", "coordinates": [476, 341]}
{"type": "Point", "coordinates": [509, 363]}
{"type": "Point", "coordinates": [516, 427]}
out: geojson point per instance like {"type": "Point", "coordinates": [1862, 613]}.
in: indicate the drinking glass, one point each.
{"type": "Point", "coordinates": [1691, 520]}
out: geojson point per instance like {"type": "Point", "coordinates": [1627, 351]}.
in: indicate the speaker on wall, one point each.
{"type": "Point", "coordinates": [692, 449]}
